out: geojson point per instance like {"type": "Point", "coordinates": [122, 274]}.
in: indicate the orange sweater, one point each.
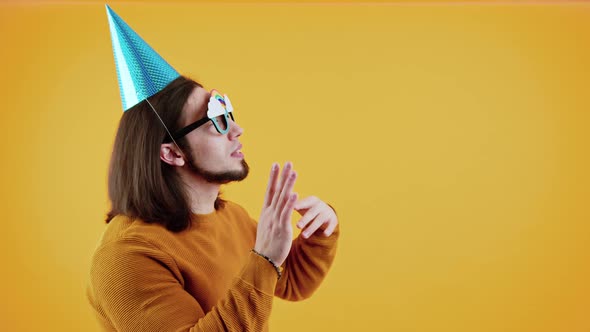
{"type": "Point", "coordinates": [146, 278]}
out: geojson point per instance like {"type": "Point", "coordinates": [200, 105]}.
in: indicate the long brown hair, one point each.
{"type": "Point", "coordinates": [140, 185]}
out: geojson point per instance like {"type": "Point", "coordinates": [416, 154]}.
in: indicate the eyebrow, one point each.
{"type": "Point", "coordinates": [204, 107]}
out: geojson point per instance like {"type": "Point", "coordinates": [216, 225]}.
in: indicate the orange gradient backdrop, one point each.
{"type": "Point", "coordinates": [452, 138]}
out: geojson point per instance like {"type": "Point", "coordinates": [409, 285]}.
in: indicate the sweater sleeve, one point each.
{"type": "Point", "coordinates": [307, 264]}
{"type": "Point", "coordinates": [138, 287]}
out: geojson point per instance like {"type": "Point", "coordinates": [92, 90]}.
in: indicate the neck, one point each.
{"type": "Point", "coordinates": [202, 194]}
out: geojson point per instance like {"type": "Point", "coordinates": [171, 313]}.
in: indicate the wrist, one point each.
{"type": "Point", "coordinates": [277, 268]}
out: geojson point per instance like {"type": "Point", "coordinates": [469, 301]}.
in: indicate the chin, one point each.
{"type": "Point", "coordinates": [230, 174]}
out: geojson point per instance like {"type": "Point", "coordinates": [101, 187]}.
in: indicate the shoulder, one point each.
{"type": "Point", "coordinates": [126, 257]}
{"type": "Point", "coordinates": [125, 237]}
{"type": "Point", "coordinates": [125, 245]}
{"type": "Point", "coordinates": [123, 229]}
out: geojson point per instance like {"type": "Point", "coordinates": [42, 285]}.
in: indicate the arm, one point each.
{"type": "Point", "coordinates": [139, 288]}
{"type": "Point", "coordinates": [308, 262]}
{"type": "Point", "coordinates": [306, 266]}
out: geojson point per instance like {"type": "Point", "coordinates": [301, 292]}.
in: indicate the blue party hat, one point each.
{"type": "Point", "coordinates": [140, 70]}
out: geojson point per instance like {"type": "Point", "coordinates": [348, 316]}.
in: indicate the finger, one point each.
{"type": "Point", "coordinates": [310, 215]}
{"type": "Point", "coordinates": [330, 229]}
{"type": "Point", "coordinates": [306, 203]}
{"type": "Point", "coordinates": [317, 223]}
{"type": "Point", "coordinates": [288, 210]}
{"type": "Point", "coordinates": [272, 180]}
{"type": "Point", "coordinates": [280, 185]}
{"type": "Point", "coordinates": [286, 192]}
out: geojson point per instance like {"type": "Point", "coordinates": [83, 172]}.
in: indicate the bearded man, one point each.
{"type": "Point", "coordinates": [175, 256]}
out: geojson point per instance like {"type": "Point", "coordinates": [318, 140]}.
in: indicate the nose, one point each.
{"type": "Point", "coordinates": [235, 130]}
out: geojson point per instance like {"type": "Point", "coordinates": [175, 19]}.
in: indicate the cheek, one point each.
{"type": "Point", "coordinates": [210, 151]}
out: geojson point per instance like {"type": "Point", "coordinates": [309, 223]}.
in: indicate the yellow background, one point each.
{"type": "Point", "coordinates": [452, 137]}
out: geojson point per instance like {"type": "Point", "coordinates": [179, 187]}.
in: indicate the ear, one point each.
{"type": "Point", "coordinates": [170, 154]}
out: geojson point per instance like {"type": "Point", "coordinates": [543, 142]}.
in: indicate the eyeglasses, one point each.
{"type": "Point", "coordinates": [219, 111]}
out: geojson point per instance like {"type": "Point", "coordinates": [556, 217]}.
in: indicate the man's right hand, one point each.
{"type": "Point", "coordinates": [275, 233]}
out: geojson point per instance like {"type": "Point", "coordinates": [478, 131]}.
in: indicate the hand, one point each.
{"type": "Point", "coordinates": [315, 214]}
{"type": "Point", "coordinates": [275, 233]}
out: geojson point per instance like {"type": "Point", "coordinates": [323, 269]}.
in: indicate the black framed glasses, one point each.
{"type": "Point", "coordinates": [219, 111]}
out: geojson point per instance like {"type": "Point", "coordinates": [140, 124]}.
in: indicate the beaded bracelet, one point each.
{"type": "Point", "coordinates": [271, 262]}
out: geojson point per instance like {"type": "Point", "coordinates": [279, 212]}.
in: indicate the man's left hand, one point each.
{"type": "Point", "coordinates": [315, 214]}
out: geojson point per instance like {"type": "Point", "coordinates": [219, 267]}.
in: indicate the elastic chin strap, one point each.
{"type": "Point", "coordinates": [168, 131]}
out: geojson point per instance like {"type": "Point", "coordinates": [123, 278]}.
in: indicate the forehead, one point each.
{"type": "Point", "coordinates": [195, 107]}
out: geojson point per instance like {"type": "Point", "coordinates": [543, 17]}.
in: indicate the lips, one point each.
{"type": "Point", "coordinates": [237, 149]}
{"type": "Point", "coordinates": [237, 153]}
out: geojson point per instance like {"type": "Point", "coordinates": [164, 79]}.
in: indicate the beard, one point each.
{"type": "Point", "coordinates": [217, 177]}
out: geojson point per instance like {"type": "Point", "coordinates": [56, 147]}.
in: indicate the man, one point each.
{"type": "Point", "coordinates": [175, 256]}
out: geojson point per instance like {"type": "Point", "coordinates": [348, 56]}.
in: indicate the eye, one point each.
{"type": "Point", "coordinates": [212, 126]}
{"type": "Point", "coordinates": [221, 122]}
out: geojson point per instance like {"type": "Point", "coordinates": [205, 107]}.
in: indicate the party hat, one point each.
{"type": "Point", "coordinates": [140, 70]}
